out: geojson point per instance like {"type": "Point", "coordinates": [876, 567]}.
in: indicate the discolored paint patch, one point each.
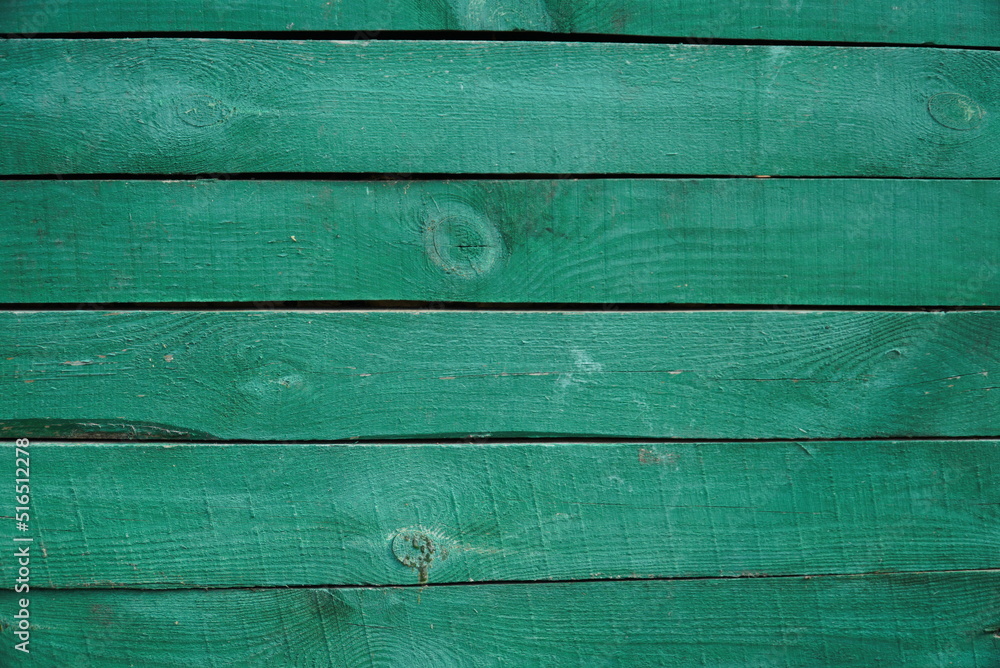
{"type": "Point", "coordinates": [652, 456]}
{"type": "Point", "coordinates": [416, 549]}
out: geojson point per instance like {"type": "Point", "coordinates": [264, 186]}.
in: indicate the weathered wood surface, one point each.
{"type": "Point", "coordinates": [961, 22]}
{"type": "Point", "coordinates": [157, 515]}
{"type": "Point", "coordinates": [166, 106]}
{"type": "Point", "coordinates": [927, 620]}
{"type": "Point", "coordinates": [261, 375]}
{"type": "Point", "coordinates": [748, 241]}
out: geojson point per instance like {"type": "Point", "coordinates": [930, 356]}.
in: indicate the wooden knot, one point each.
{"type": "Point", "coordinates": [463, 243]}
{"type": "Point", "coordinates": [416, 549]}
{"type": "Point", "coordinates": [202, 110]}
{"type": "Point", "coordinates": [955, 111]}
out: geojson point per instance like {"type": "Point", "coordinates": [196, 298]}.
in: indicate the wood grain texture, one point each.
{"type": "Point", "coordinates": [748, 241]}
{"type": "Point", "coordinates": [158, 515]}
{"type": "Point", "coordinates": [167, 106]}
{"type": "Point", "coordinates": [262, 375]}
{"type": "Point", "coordinates": [927, 620]}
{"type": "Point", "coordinates": [961, 22]}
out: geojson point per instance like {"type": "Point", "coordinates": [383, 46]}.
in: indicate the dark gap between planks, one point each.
{"type": "Point", "coordinates": [443, 176]}
{"type": "Point", "coordinates": [472, 35]}
{"type": "Point", "coordinates": [400, 305]}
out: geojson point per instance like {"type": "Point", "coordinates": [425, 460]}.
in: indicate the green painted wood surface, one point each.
{"type": "Point", "coordinates": [925, 620]}
{"type": "Point", "coordinates": [166, 106]}
{"type": "Point", "coordinates": [961, 22]}
{"type": "Point", "coordinates": [157, 515]}
{"type": "Point", "coordinates": [263, 375]}
{"type": "Point", "coordinates": [749, 241]}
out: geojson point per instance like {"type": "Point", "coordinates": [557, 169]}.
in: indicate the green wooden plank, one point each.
{"type": "Point", "coordinates": [264, 375]}
{"type": "Point", "coordinates": [168, 106]}
{"type": "Point", "coordinates": [925, 620]}
{"type": "Point", "coordinates": [158, 515]}
{"type": "Point", "coordinates": [961, 22]}
{"type": "Point", "coordinates": [749, 241]}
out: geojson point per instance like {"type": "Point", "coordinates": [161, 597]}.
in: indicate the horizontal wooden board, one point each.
{"type": "Point", "coordinates": [265, 375]}
{"type": "Point", "coordinates": [747, 241]}
{"type": "Point", "coordinates": [159, 515]}
{"type": "Point", "coordinates": [926, 620]}
{"type": "Point", "coordinates": [171, 106]}
{"type": "Point", "coordinates": [962, 22]}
